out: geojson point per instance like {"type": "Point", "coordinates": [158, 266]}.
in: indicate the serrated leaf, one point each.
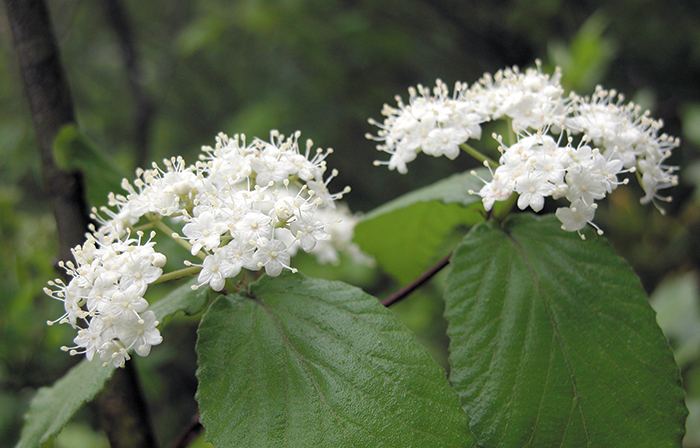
{"type": "Point", "coordinates": [405, 234]}
{"type": "Point", "coordinates": [53, 407]}
{"type": "Point", "coordinates": [553, 342]}
{"type": "Point", "coordinates": [301, 362]}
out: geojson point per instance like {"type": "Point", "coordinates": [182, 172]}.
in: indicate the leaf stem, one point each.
{"type": "Point", "coordinates": [418, 282]}
{"type": "Point", "coordinates": [478, 155]}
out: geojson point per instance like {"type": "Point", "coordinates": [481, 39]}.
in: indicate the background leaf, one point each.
{"type": "Point", "coordinates": [405, 234]}
{"type": "Point", "coordinates": [305, 362]}
{"type": "Point", "coordinates": [553, 342]}
{"type": "Point", "coordinates": [183, 298]}
{"type": "Point", "coordinates": [102, 175]}
{"type": "Point", "coordinates": [53, 407]}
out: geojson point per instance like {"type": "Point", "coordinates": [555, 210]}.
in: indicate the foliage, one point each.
{"type": "Point", "coordinates": [339, 370]}
{"type": "Point", "coordinates": [553, 339]}
{"type": "Point", "coordinates": [324, 66]}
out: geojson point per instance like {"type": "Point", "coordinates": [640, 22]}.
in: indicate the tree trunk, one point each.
{"type": "Point", "coordinates": [121, 403]}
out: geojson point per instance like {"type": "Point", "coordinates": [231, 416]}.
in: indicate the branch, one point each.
{"type": "Point", "coordinates": [123, 411]}
{"type": "Point", "coordinates": [190, 433]}
{"type": "Point", "coordinates": [51, 105]}
{"type": "Point", "coordinates": [417, 283]}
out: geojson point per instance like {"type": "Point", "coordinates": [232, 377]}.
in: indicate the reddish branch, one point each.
{"type": "Point", "coordinates": [190, 433]}
{"type": "Point", "coordinates": [417, 283]}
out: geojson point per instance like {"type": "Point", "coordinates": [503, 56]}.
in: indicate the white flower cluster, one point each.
{"type": "Point", "coordinates": [257, 204]}
{"type": "Point", "coordinates": [106, 292]}
{"type": "Point", "coordinates": [241, 206]}
{"type": "Point", "coordinates": [614, 138]}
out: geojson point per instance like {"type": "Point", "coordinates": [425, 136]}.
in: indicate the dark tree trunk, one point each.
{"type": "Point", "coordinates": [121, 403]}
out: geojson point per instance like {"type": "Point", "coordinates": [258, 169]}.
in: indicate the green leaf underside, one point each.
{"type": "Point", "coordinates": [404, 234]}
{"type": "Point", "coordinates": [183, 298]}
{"type": "Point", "coordinates": [452, 190]}
{"type": "Point", "coordinates": [554, 344]}
{"type": "Point", "coordinates": [304, 362]}
{"type": "Point", "coordinates": [52, 407]}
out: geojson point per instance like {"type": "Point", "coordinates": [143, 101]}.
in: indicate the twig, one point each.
{"type": "Point", "coordinates": [415, 284]}
{"type": "Point", "coordinates": [123, 411]}
{"type": "Point", "coordinates": [190, 433]}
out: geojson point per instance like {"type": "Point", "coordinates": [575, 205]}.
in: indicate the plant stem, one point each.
{"type": "Point", "coordinates": [160, 225]}
{"type": "Point", "coordinates": [177, 275]}
{"type": "Point", "coordinates": [512, 137]}
{"type": "Point", "coordinates": [478, 155]}
{"type": "Point", "coordinates": [123, 410]}
{"type": "Point", "coordinates": [190, 433]}
{"type": "Point", "coordinates": [51, 107]}
{"type": "Point", "coordinates": [415, 284]}
{"type": "Point", "coordinates": [506, 207]}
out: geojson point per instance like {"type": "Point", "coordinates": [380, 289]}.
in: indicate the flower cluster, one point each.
{"type": "Point", "coordinates": [613, 138]}
{"type": "Point", "coordinates": [106, 292]}
{"type": "Point", "coordinates": [257, 204]}
{"type": "Point", "coordinates": [241, 206]}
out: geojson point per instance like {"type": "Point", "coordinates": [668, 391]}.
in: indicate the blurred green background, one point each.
{"type": "Point", "coordinates": [160, 78]}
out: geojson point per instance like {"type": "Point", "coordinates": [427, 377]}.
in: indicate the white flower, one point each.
{"type": "Point", "coordinates": [614, 138]}
{"type": "Point", "coordinates": [106, 291]}
{"type": "Point", "coordinates": [532, 100]}
{"type": "Point", "coordinates": [532, 190]}
{"type": "Point", "coordinates": [432, 122]}
{"type": "Point", "coordinates": [308, 231]}
{"type": "Point", "coordinates": [273, 255]}
{"type": "Point", "coordinates": [92, 338]}
{"type": "Point", "coordinates": [536, 167]}
{"type": "Point", "coordinates": [216, 268]}
{"type": "Point", "coordinates": [139, 333]}
{"type": "Point", "coordinates": [114, 352]}
{"type": "Point", "coordinates": [203, 230]}
{"type": "Point", "coordinates": [627, 133]}
{"type": "Point", "coordinates": [575, 217]}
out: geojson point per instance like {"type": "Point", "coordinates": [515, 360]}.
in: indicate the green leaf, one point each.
{"type": "Point", "coordinates": [53, 407]}
{"type": "Point", "coordinates": [553, 342]}
{"type": "Point", "coordinates": [183, 298]}
{"type": "Point", "coordinates": [586, 59]}
{"type": "Point", "coordinates": [305, 362]}
{"type": "Point", "coordinates": [405, 234]}
{"type": "Point", "coordinates": [74, 151]}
